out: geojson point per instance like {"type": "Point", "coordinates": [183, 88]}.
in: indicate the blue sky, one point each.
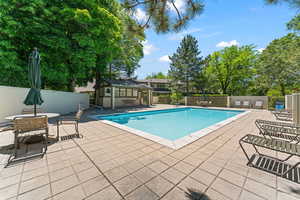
{"type": "Point", "coordinates": [222, 23]}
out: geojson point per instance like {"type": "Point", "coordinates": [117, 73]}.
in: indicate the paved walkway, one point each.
{"type": "Point", "coordinates": [109, 163]}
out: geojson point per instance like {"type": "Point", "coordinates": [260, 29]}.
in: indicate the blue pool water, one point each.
{"type": "Point", "coordinates": [171, 124]}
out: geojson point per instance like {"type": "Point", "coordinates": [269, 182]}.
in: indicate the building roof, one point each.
{"type": "Point", "coordinates": [154, 80]}
{"type": "Point", "coordinates": [128, 83]}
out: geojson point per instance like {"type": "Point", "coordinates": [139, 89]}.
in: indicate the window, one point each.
{"type": "Point", "coordinates": [107, 92]}
{"type": "Point", "coordinates": [129, 92]}
{"type": "Point", "coordinates": [134, 93]}
{"type": "Point", "coordinates": [161, 85]}
{"type": "Point", "coordinates": [122, 92]}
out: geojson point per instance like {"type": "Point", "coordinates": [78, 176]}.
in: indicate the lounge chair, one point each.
{"type": "Point", "coordinates": [202, 103]}
{"type": "Point", "coordinates": [274, 165]}
{"type": "Point", "coordinates": [237, 103]}
{"type": "Point", "coordinates": [283, 116]}
{"type": "Point", "coordinates": [27, 127]}
{"type": "Point", "coordinates": [282, 130]}
{"type": "Point", "coordinates": [246, 104]}
{"type": "Point", "coordinates": [259, 104]}
{"type": "Point", "coordinates": [70, 120]}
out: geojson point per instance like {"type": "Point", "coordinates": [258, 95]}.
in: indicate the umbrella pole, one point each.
{"type": "Point", "coordinates": [34, 110]}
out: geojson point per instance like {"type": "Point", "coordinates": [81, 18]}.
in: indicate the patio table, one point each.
{"type": "Point", "coordinates": [49, 115]}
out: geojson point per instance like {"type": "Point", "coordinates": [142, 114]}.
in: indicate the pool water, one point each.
{"type": "Point", "coordinates": [172, 124]}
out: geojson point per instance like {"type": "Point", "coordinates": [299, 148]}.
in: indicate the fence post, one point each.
{"type": "Point", "coordinates": [288, 102]}
{"type": "Point", "coordinates": [228, 101]}
{"type": "Point", "coordinates": [296, 108]}
{"type": "Point", "coordinates": [185, 101]}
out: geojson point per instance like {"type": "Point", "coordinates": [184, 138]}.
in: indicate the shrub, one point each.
{"type": "Point", "coordinates": [274, 99]}
{"type": "Point", "coordinates": [176, 97]}
{"type": "Point", "coordinates": [209, 95]}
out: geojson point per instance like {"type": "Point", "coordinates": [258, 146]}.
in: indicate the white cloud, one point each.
{"type": "Point", "coordinates": [148, 48]}
{"type": "Point", "coordinates": [260, 50]}
{"type": "Point", "coordinates": [164, 58]}
{"type": "Point", "coordinates": [140, 15]}
{"type": "Point", "coordinates": [180, 35]}
{"type": "Point", "coordinates": [227, 44]}
{"type": "Point", "coordinates": [180, 5]}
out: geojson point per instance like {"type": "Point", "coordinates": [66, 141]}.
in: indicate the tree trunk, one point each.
{"type": "Point", "coordinates": [224, 90]}
{"type": "Point", "coordinates": [187, 84]}
{"type": "Point", "coordinates": [282, 89]}
{"type": "Point", "coordinates": [71, 85]}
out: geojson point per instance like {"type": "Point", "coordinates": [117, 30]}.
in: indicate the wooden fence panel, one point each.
{"type": "Point", "coordinates": [164, 100]}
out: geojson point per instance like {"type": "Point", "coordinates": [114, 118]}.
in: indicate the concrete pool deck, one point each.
{"type": "Point", "coordinates": [110, 163]}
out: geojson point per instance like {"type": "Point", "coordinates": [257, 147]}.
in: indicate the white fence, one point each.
{"type": "Point", "coordinates": [11, 101]}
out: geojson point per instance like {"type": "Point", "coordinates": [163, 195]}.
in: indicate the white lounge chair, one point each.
{"type": "Point", "coordinates": [237, 103]}
{"type": "Point", "coordinates": [259, 104]}
{"type": "Point", "coordinates": [246, 104]}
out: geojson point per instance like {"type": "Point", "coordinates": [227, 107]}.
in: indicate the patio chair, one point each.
{"type": "Point", "coordinates": [259, 104]}
{"type": "Point", "coordinates": [6, 127]}
{"type": "Point", "coordinates": [282, 130]}
{"type": "Point", "coordinates": [275, 165]}
{"type": "Point", "coordinates": [246, 104]}
{"type": "Point", "coordinates": [27, 127]}
{"type": "Point", "coordinates": [237, 103]}
{"type": "Point", "coordinates": [70, 120]}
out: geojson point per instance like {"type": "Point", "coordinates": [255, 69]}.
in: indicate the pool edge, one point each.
{"type": "Point", "coordinates": [181, 142]}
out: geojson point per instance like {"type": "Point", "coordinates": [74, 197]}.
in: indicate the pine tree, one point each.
{"type": "Point", "coordinates": [186, 65]}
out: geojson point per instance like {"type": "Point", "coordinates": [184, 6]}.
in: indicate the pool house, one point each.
{"type": "Point", "coordinates": [123, 93]}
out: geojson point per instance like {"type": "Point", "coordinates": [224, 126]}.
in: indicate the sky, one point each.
{"type": "Point", "coordinates": [223, 23]}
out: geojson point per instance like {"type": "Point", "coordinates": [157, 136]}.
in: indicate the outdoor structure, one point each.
{"type": "Point", "coordinates": [160, 86]}
{"type": "Point", "coordinates": [123, 93]}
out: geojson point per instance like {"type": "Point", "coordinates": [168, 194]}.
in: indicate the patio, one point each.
{"type": "Point", "coordinates": [109, 163]}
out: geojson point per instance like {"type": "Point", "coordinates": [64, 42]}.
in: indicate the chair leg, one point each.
{"type": "Point", "coordinates": [57, 131]}
{"type": "Point", "coordinates": [248, 158]}
{"type": "Point", "coordinates": [255, 149]}
{"type": "Point", "coordinates": [46, 141]}
{"type": "Point", "coordinates": [76, 127]}
{"type": "Point", "coordinates": [16, 143]}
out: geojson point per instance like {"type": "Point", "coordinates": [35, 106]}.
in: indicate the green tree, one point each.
{"type": "Point", "coordinates": [232, 68]}
{"type": "Point", "coordinates": [294, 3]}
{"type": "Point", "coordinates": [294, 24]}
{"type": "Point", "coordinates": [158, 75]}
{"type": "Point", "coordinates": [131, 49]}
{"type": "Point", "coordinates": [76, 40]}
{"type": "Point", "coordinates": [186, 64]}
{"type": "Point", "coordinates": [165, 15]}
{"type": "Point", "coordinates": [279, 63]}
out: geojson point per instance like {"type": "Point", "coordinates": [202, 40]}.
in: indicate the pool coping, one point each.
{"type": "Point", "coordinates": [179, 143]}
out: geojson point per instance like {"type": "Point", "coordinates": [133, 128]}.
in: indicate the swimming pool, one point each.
{"type": "Point", "coordinates": [172, 126]}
